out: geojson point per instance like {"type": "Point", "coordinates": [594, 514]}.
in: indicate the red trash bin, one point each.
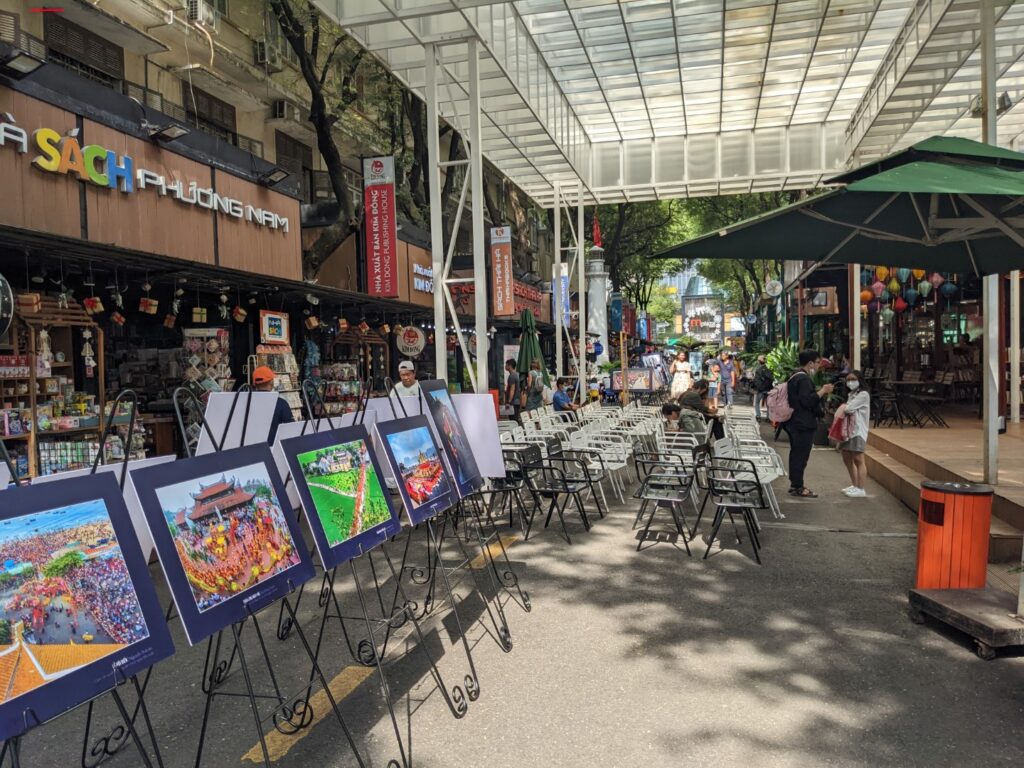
{"type": "Point", "coordinates": [952, 535]}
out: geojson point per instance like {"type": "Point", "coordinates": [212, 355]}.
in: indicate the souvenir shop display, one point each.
{"type": "Point", "coordinates": [79, 612]}
{"type": "Point", "coordinates": [206, 360]}
{"type": "Point", "coordinates": [281, 360]}
{"type": "Point", "coordinates": [341, 387]}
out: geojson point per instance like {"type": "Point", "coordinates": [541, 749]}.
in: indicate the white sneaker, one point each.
{"type": "Point", "coordinates": [848, 489]}
{"type": "Point", "coordinates": [857, 493]}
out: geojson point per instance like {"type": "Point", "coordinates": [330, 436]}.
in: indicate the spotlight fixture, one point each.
{"type": "Point", "coordinates": [165, 133]}
{"type": "Point", "coordinates": [17, 63]}
{"type": "Point", "coordinates": [273, 177]}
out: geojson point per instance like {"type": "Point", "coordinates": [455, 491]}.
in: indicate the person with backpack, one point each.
{"type": "Point", "coordinates": [533, 393]}
{"type": "Point", "coordinates": [804, 404]}
{"type": "Point", "coordinates": [763, 381]}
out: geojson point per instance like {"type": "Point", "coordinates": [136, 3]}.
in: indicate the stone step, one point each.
{"type": "Point", "coordinates": [1005, 541]}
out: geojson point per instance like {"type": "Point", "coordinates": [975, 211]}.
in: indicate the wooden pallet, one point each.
{"type": "Point", "coordinates": [989, 616]}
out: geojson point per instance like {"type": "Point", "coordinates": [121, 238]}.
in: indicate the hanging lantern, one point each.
{"type": "Point", "coordinates": [903, 274]}
{"type": "Point", "coordinates": [894, 286]}
{"type": "Point", "coordinates": [918, 274]}
{"type": "Point", "coordinates": [866, 295]}
{"type": "Point", "coordinates": [881, 273]}
{"type": "Point", "coordinates": [885, 295]}
{"type": "Point", "coordinates": [949, 289]}
{"type": "Point", "coordinates": [924, 288]}
{"type": "Point", "coordinates": [911, 296]}
{"type": "Point", "coordinates": [936, 280]}
{"type": "Point", "coordinates": [865, 277]}
{"type": "Point", "coordinates": [878, 287]}
{"type": "Point", "coordinates": [900, 305]}
{"type": "Point", "coordinates": [887, 314]}
{"type": "Point", "coordinates": [875, 305]}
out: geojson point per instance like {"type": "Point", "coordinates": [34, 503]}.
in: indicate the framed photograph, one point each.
{"type": "Point", "coordinates": [274, 327]}
{"type": "Point", "coordinates": [342, 489]}
{"type": "Point", "coordinates": [225, 541]}
{"type": "Point", "coordinates": [415, 460]}
{"type": "Point", "coordinates": [449, 429]}
{"type": "Point", "coordinates": [78, 610]}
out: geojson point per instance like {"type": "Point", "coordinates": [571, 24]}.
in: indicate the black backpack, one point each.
{"type": "Point", "coordinates": [763, 379]}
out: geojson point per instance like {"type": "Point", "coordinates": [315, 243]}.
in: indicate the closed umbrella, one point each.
{"type": "Point", "coordinates": [529, 346]}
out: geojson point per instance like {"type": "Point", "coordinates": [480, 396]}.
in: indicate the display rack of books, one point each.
{"type": "Point", "coordinates": [206, 360]}
{"type": "Point", "coordinates": [51, 366]}
{"type": "Point", "coordinates": [281, 360]}
{"type": "Point", "coordinates": [341, 387]}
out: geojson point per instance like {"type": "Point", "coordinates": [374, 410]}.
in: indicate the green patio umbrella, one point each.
{"type": "Point", "coordinates": [529, 346]}
{"type": "Point", "coordinates": [944, 204]}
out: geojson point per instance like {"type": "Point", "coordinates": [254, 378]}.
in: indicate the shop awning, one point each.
{"type": "Point", "coordinates": [947, 205]}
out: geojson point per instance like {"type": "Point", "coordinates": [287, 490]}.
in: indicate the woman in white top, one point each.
{"type": "Point", "coordinates": [680, 375]}
{"type": "Point", "coordinates": [858, 414]}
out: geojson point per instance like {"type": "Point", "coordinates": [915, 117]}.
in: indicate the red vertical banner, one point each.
{"type": "Point", "coordinates": [381, 226]}
{"type": "Point", "coordinates": [502, 296]}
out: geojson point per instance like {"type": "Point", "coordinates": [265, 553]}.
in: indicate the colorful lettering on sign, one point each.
{"type": "Point", "coordinates": [103, 167]}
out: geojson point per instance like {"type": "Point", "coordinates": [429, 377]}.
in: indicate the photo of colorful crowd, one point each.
{"type": "Point", "coordinates": [419, 463]}
{"type": "Point", "coordinates": [229, 532]}
{"type": "Point", "coordinates": [346, 492]}
{"type": "Point", "coordinates": [453, 437]}
{"type": "Point", "coordinates": [66, 596]}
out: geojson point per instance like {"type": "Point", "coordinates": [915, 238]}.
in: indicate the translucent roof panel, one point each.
{"type": "Point", "coordinates": [640, 99]}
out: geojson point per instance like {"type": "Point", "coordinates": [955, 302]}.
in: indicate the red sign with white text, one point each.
{"type": "Point", "coordinates": [502, 302]}
{"type": "Point", "coordinates": [381, 226]}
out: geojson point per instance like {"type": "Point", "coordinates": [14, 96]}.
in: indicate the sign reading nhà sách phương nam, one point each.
{"type": "Point", "coordinates": [102, 167]}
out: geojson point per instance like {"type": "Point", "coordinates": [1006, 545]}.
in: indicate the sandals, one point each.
{"type": "Point", "coordinates": [803, 493]}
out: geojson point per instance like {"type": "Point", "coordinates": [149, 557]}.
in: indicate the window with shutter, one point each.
{"type": "Point", "coordinates": [296, 158]}
{"type": "Point", "coordinates": [9, 27]}
{"type": "Point", "coordinates": [209, 113]}
{"type": "Point", "coordinates": [82, 51]}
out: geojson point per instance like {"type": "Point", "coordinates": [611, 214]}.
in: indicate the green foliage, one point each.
{"type": "Point", "coordinates": [61, 565]}
{"type": "Point", "coordinates": [783, 360]}
{"type": "Point", "coordinates": [664, 306]}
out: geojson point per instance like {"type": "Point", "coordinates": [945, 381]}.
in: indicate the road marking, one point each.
{"type": "Point", "coordinates": [278, 744]}
{"type": "Point", "coordinates": [494, 549]}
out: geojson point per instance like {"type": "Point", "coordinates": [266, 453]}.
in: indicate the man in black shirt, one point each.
{"type": "Point", "coordinates": [512, 388]}
{"type": "Point", "coordinates": [806, 402]}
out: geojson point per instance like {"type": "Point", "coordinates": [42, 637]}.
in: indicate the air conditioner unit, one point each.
{"type": "Point", "coordinates": [204, 14]}
{"type": "Point", "coordinates": [269, 56]}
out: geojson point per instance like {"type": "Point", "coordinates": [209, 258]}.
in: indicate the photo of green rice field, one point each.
{"type": "Point", "coordinates": [346, 492]}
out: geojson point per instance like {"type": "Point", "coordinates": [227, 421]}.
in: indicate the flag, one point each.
{"type": "Point", "coordinates": [597, 232]}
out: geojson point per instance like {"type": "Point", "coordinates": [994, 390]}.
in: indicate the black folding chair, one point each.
{"type": "Point", "coordinates": [665, 484]}
{"type": "Point", "coordinates": [551, 480]}
{"type": "Point", "coordinates": [734, 487]}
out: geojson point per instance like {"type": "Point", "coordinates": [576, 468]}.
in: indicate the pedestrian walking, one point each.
{"type": "Point", "coordinates": [512, 388]}
{"type": "Point", "coordinates": [727, 383]}
{"type": "Point", "coordinates": [714, 381]}
{"type": "Point", "coordinates": [532, 396]}
{"type": "Point", "coordinates": [807, 404]}
{"type": "Point", "coordinates": [763, 381]}
{"type": "Point", "coordinates": [858, 415]}
{"type": "Point", "coordinates": [680, 375]}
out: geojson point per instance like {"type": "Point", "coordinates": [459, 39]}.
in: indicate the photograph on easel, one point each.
{"type": "Point", "coordinates": [76, 599]}
{"type": "Point", "coordinates": [415, 459]}
{"type": "Point", "coordinates": [226, 544]}
{"type": "Point", "coordinates": [453, 436]}
{"type": "Point", "coordinates": [341, 488]}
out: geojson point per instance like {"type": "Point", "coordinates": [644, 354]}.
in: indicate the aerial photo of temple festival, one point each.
{"type": "Point", "coordinates": [229, 532]}
{"type": "Point", "coordinates": [66, 598]}
{"type": "Point", "coordinates": [419, 463]}
{"type": "Point", "coordinates": [345, 490]}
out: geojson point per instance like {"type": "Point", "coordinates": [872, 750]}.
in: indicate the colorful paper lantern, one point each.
{"type": "Point", "coordinates": [918, 274]}
{"type": "Point", "coordinates": [903, 274]}
{"type": "Point", "coordinates": [924, 288]}
{"type": "Point", "coordinates": [881, 272]}
{"type": "Point", "coordinates": [878, 287]}
{"type": "Point", "coordinates": [866, 295]}
{"type": "Point", "coordinates": [894, 286]}
{"type": "Point", "coordinates": [936, 280]}
{"type": "Point", "coordinates": [911, 296]}
{"type": "Point", "coordinates": [887, 314]}
{"type": "Point", "coordinates": [949, 289]}
{"type": "Point", "coordinates": [885, 295]}
{"type": "Point", "coordinates": [900, 305]}
{"type": "Point", "coordinates": [875, 305]}
{"type": "Point", "coordinates": [865, 277]}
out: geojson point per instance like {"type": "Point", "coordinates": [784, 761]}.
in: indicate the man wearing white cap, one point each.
{"type": "Point", "coordinates": [408, 386]}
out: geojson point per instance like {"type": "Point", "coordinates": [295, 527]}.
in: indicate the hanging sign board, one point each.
{"type": "Point", "coordinates": [502, 299]}
{"type": "Point", "coordinates": [380, 226]}
{"type": "Point", "coordinates": [411, 341]}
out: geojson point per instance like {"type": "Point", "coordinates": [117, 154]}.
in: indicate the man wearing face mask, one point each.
{"type": "Point", "coordinates": [561, 399]}
{"type": "Point", "coordinates": [806, 402]}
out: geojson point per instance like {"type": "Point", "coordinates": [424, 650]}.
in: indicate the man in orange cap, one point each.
{"type": "Point", "coordinates": [263, 381]}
